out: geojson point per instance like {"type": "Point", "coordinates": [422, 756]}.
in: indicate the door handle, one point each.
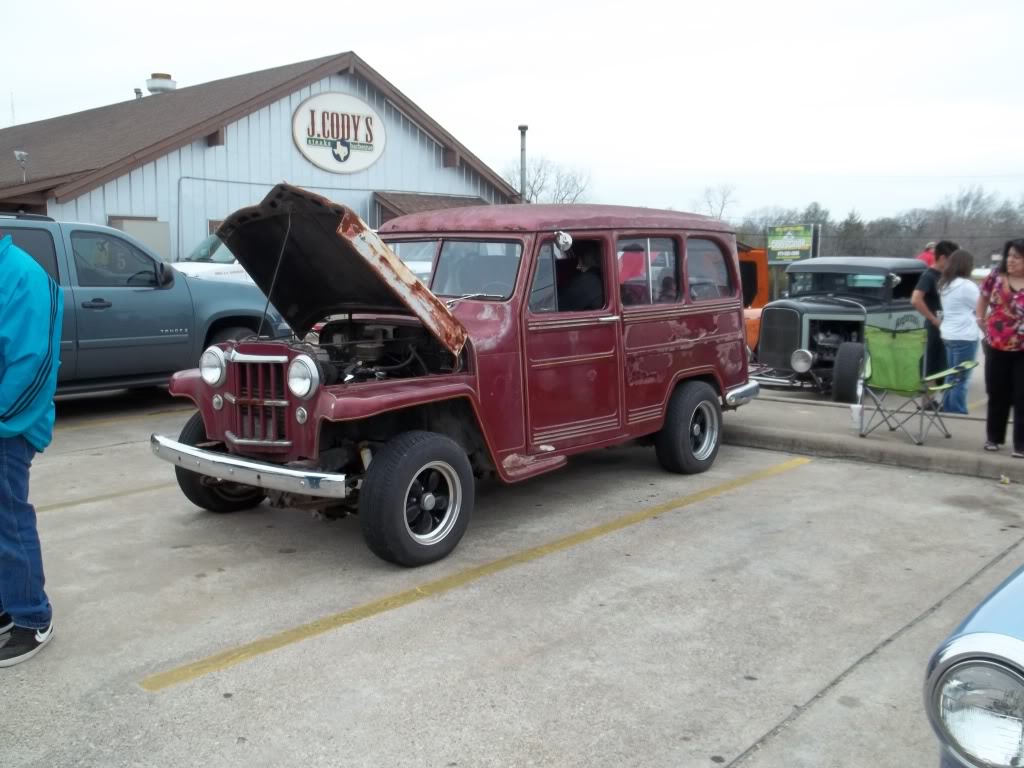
{"type": "Point", "coordinates": [608, 319]}
{"type": "Point", "coordinates": [97, 304]}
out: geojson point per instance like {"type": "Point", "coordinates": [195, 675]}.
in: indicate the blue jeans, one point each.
{"type": "Point", "coordinates": [958, 352]}
{"type": "Point", "coordinates": [21, 560]}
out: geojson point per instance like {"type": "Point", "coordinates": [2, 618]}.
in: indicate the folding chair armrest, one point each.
{"type": "Point", "coordinates": [942, 374]}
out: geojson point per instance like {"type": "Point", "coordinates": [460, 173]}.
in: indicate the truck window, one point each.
{"type": "Point", "coordinates": [707, 271]}
{"type": "Point", "coordinates": [37, 243]}
{"type": "Point", "coordinates": [572, 283]}
{"type": "Point", "coordinates": [648, 270]}
{"type": "Point", "coordinates": [103, 261]}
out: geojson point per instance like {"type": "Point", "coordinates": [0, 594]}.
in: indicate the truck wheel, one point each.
{"type": "Point", "coordinates": [846, 375]}
{"type": "Point", "coordinates": [233, 333]}
{"type": "Point", "coordinates": [688, 442]}
{"type": "Point", "coordinates": [209, 493]}
{"type": "Point", "coordinates": [416, 498]}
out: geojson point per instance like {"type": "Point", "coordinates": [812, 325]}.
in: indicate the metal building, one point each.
{"type": "Point", "coordinates": [168, 167]}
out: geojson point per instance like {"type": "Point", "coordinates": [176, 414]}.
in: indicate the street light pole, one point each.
{"type": "Point", "coordinates": [522, 162]}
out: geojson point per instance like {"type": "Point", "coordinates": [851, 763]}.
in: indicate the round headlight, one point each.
{"type": "Point", "coordinates": [981, 709]}
{"type": "Point", "coordinates": [213, 367]}
{"type": "Point", "coordinates": [303, 377]}
{"type": "Point", "coordinates": [801, 361]}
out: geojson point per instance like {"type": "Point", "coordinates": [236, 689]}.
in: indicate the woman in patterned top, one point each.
{"type": "Point", "coordinates": [1000, 313]}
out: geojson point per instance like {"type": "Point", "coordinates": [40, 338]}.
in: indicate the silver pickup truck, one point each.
{"type": "Point", "coordinates": [131, 319]}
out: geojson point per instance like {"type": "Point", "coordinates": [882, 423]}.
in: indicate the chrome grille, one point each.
{"type": "Point", "coordinates": [780, 337]}
{"type": "Point", "coordinates": [259, 397]}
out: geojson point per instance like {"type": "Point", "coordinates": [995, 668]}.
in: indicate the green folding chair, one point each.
{"type": "Point", "coordinates": [893, 371]}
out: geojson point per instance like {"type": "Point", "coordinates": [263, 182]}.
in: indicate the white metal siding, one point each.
{"type": "Point", "coordinates": [197, 183]}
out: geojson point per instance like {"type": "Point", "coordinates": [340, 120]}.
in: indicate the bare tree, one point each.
{"type": "Point", "coordinates": [549, 182]}
{"type": "Point", "coordinates": [716, 201]}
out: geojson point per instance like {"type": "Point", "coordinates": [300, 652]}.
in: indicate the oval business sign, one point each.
{"type": "Point", "coordinates": [338, 132]}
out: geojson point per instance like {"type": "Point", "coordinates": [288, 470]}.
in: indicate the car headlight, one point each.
{"type": "Point", "coordinates": [303, 377]}
{"type": "Point", "coordinates": [213, 366]}
{"type": "Point", "coordinates": [980, 707]}
{"type": "Point", "coordinates": [801, 361]}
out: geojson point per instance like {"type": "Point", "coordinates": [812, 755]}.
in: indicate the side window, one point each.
{"type": "Point", "coordinates": [542, 291]}
{"type": "Point", "coordinates": [103, 261]}
{"type": "Point", "coordinates": [707, 270]}
{"type": "Point", "coordinates": [37, 243]}
{"type": "Point", "coordinates": [648, 270]}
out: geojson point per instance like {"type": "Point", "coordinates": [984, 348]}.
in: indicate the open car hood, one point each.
{"type": "Point", "coordinates": [331, 263]}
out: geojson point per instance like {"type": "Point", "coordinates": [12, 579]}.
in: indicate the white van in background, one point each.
{"type": "Point", "coordinates": [211, 259]}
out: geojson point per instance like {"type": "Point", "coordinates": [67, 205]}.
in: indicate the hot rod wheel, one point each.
{"type": "Point", "coordinates": [848, 372]}
{"type": "Point", "coordinates": [416, 500]}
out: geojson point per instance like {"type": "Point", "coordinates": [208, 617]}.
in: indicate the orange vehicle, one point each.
{"type": "Point", "coordinates": [754, 278]}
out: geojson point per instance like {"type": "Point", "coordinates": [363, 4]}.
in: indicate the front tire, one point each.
{"type": "Point", "coordinates": [688, 442]}
{"type": "Point", "coordinates": [209, 493]}
{"type": "Point", "coordinates": [847, 373]}
{"type": "Point", "coordinates": [416, 499]}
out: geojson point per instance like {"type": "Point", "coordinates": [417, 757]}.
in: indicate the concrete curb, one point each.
{"type": "Point", "coordinates": [909, 456]}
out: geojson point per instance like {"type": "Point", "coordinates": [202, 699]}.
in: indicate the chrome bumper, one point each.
{"type": "Point", "coordinates": [742, 395]}
{"type": "Point", "coordinates": [248, 472]}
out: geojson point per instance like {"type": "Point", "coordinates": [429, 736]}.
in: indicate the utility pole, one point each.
{"type": "Point", "coordinates": [522, 162]}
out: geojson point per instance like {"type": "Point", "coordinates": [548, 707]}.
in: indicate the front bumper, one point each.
{"type": "Point", "coordinates": [742, 395]}
{"type": "Point", "coordinates": [259, 474]}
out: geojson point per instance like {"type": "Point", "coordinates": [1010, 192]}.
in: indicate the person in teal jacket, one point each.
{"type": "Point", "coordinates": [31, 312]}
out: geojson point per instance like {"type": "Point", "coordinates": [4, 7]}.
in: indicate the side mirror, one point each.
{"type": "Point", "coordinates": [164, 275]}
{"type": "Point", "coordinates": [563, 242]}
{"type": "Point", "coordinates": [894, 280]}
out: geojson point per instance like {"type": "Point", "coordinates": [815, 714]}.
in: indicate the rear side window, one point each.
{"type": "Point", "coordinates": [38, 243]}
{"type": "Point", "coordinates": [648, 271]}
{"type": "Point", "coordinates": [707, 271]}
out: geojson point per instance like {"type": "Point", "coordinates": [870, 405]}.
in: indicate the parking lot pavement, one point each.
{"type": "Point", "coordinates": [769, 612]}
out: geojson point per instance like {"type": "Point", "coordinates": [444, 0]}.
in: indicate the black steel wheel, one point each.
{"type": "Point", "coordinates": [210, 493]}
{"type": "Point", "coordinates": [416, 499]}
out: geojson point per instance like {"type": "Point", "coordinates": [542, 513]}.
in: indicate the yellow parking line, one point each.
{"type": "Point", "coordinates": [234, 656]}
{"type": "Point", "coordinates": [104, 497]}
{"type": "Point", "coordinates": [117, 420]}
{"type": "Point", "coordinates": [972, 407]}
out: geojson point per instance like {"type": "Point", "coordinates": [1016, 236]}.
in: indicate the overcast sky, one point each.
{"type": "Point", "coordinates": [874, 105]}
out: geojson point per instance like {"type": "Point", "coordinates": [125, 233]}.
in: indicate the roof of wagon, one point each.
{"type": "Point", "coordinates": [547, 218]}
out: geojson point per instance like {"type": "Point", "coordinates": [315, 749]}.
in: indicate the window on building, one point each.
{"type": "Point", "coordinates": [648, 271]}
{"type": "Point", "coordinates": [37, 243]}
{"type": "Point", "coordinates": [109, 262]}
{"type": "Point", "coordinates": [707, 270]}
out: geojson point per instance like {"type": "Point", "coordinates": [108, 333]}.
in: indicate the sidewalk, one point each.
{"type": "Point", "coordinates": [822, 428]}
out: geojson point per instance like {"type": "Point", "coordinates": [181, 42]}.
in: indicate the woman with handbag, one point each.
{"type": "Point", "coordinates": [1000, 314]}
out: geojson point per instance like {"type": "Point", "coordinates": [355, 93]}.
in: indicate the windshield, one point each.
{"type": "Point", "coordinates": [212, 249]}
{"type": "Point", "coordinates": [865, 286]}
{"type": "Point", "coordinates": [484, 268]}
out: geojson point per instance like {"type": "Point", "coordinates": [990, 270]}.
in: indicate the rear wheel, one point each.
{"type": "Point", "coordinates": [688, 442]}
{"type": "Point", "coordinates": [210, 493]}
{"type": "Point", "coordinates": [848, 372]}
{"type": "Point", "coordinates": [416, 499]}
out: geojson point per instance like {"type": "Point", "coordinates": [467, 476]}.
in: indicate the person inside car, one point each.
{"type": "Point", "coordinates": [586, 288]}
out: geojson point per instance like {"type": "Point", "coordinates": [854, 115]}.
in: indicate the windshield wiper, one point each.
{"type": "Point", "coordinates": [453, 301]}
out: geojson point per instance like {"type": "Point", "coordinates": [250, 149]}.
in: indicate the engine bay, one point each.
{"type": "Point", "coordinates": [827, 335]}
{"type": "Point", "coordinates": [349, 352]}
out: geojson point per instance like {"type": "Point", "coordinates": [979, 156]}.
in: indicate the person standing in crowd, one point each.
{"type": "Point", "coordinates": [1000, 313]}
{"type": "Point", "coordinates": [928, 302]}
{"type": "Point", "coordinates": [959, 330]}
{"type": "Point", "coordinates": [928, 255]}
{"type": "Point", "coordinates": [31, 313]}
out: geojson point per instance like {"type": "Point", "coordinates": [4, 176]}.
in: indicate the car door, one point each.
{"type": "Point", "coordinates": [127, 325]}
{"type": "Point", "coordinates": [39, 243]}
{"type": "Point", "coordinates": [573, 356]}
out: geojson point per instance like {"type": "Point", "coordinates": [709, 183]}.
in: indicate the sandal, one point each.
{"type": "Point", "coordinates": [991, 447]}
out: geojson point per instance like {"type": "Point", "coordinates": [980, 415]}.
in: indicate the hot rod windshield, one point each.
{"type": "Point", "coordinates": [869, 286]}
{"type": "Point", "coordinates": [483, 268]}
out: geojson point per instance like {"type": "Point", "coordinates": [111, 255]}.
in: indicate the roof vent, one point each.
{"type": "Point", "coordinates": [160, 82]}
